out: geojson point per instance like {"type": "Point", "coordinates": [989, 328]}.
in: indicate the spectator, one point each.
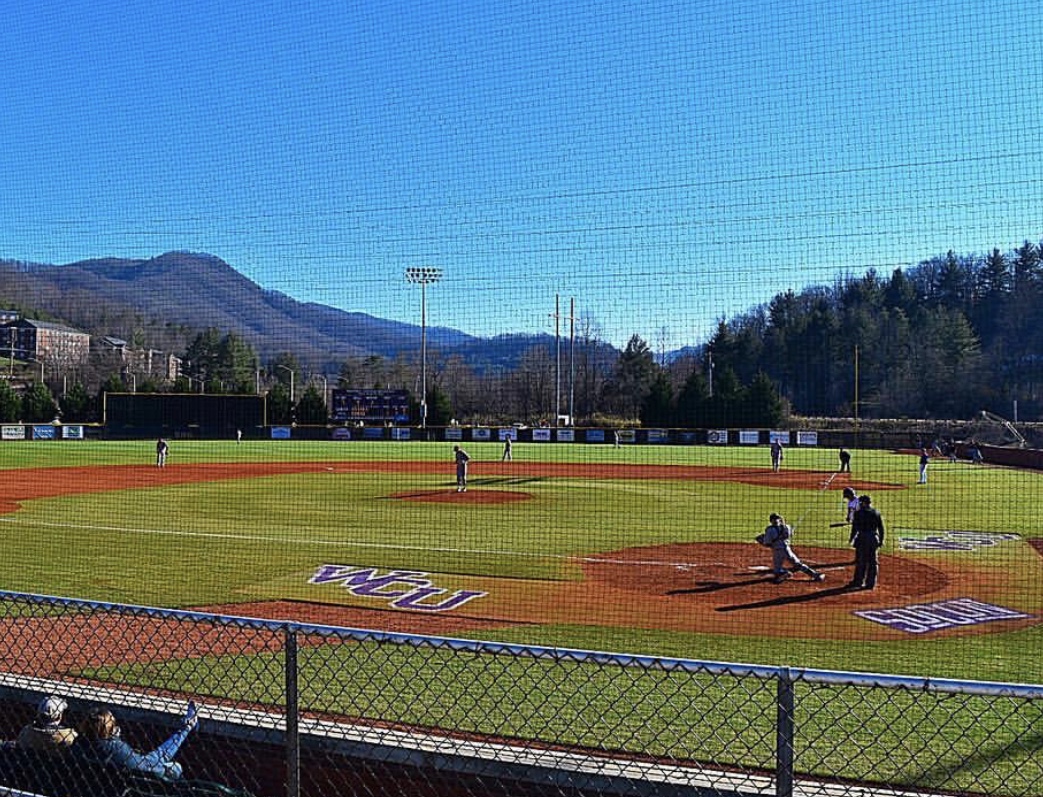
{"type": "Point", "coordinates": [47, 732]}
{"type": "Point", "coordinates": [100, 740]}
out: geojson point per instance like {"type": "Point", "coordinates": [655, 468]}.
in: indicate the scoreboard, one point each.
{"type": "Point", "coordinates": [370, 406]}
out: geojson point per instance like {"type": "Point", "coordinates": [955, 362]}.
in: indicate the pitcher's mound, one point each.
{"type": "Point", "coordinates": [451, 496]}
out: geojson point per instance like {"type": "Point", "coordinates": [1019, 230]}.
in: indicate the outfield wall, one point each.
{"type": "Point", "coordinates": [303, 710]}
{"type": "Point", "coordinates": [135, 415]}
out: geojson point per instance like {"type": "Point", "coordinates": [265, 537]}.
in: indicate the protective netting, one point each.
{"type": "Point", "coordinates": [289, 709]}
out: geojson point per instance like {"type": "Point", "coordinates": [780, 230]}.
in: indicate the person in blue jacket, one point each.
{"type": "Point", "coordinates": [99, 740]}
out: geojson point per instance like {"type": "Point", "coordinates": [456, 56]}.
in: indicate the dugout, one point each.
{"type": "Point", "coordinates": [181, 415]}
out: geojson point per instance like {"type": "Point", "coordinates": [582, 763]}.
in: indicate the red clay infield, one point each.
{"type": "Point", "coordinates": [710, 587]}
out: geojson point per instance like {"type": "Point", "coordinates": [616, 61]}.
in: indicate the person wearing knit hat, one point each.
{"type": "Point", "coordinates": [47, 732]}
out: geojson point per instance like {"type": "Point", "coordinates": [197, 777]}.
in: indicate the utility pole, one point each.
{"type": "Point", "coordinates": [709, 363]}
{"type": "Point", "coordinates": [572, 361]}
{"type": "Point", "coordinates": [557, 358]}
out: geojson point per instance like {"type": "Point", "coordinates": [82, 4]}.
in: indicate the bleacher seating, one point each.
{"type": "Point", "coordinates": [70, 775]}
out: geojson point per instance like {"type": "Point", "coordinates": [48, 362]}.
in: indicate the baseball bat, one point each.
{"type": "Point", "coordinates": [839, 525]}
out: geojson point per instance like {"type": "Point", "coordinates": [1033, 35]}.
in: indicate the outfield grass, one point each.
{"type": "Point", "coordinates": [260, 539]}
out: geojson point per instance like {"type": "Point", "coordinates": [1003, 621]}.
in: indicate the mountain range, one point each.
{"type": "Point", "coordinates": [166, 300]}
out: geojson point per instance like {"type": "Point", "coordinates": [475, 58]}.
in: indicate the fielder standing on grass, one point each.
{"type": "Point", "coordinates": [777, 536]}
{"type": "Point", "coordinates": [162, 449]}
{"type": "Point", "coordinates": [845, 460]}
{"type": "Point", "coordinates": [776, 455]}
{"type": "Point", "coordinates": [925, 460]}
{"type": "Point", "coordinates": [462, 458]}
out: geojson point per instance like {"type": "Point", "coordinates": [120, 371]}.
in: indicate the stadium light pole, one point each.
{"type": "Point", "coordinates": [423, 276]}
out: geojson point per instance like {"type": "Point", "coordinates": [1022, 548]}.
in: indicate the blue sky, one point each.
{"type": "Point", "coordinates": [665, 163]}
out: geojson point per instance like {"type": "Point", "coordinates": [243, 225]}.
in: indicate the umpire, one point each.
{"type": "Point", "coordinates": [867, 537]}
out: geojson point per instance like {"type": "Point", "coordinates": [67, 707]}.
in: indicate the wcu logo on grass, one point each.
{"type": "Point", "coordinates": [405, 589]}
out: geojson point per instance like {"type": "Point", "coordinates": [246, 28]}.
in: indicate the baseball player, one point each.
{"type": "Point", "coordinates": [462, 458]}
{"type": "Point", "coordinates": [845, 460]}
{"type": "Point", "coordinates": [162, 449]}
{"type": "Point", "coordinates": [776, 455]}
{"type": "Point", "coordinates": [777, 536]}
{"type": "Point", "coordinates": [850, 503]}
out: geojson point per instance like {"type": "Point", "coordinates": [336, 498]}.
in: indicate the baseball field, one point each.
{"type": "Point", "coordinates": [633, 549]}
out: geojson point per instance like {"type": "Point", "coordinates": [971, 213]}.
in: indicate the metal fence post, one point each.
{"type": "Point", "coordinates": [293, 740]}
{"type": "Point", "coordinates": [784, 733]}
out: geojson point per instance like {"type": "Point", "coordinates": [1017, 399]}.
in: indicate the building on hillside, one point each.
{"type": "Point", "coordinates": [150, 362]}
{"type": "Point", "coordinates": [42, 341]}
{"type": "Point", "coordinates": [7, 316]}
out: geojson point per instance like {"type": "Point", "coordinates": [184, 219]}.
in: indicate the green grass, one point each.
{"type": "Point", "coordinates": [261, 539]}
{"type": "Point", "coordinates": [896, 737]}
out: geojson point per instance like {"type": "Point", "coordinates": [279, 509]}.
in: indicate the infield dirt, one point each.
{"type": "Point", "coordinates": [700, 587]}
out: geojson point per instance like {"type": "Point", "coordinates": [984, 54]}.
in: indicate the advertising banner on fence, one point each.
{"type": "Point", "coordinates": [508, 433]}
{"type": "Point", "coordinates": [566, 436]}
{"type": "Point", "coordinates": [780, 436]}
{"type": "Point", "coordinates": [749, 437]}
{"type": "Point", "coordinates": [74, 432]}
{"type": "Point", "coordinates": [454, 433]}
{"type": "Point", "coordinates": [401, 433]}
{"type": "Point", "coordinates": [595, 436]}
{"type": "Point", "coordinates": [481, 434]}
{"type": "Point", "coordinates": [717, 437]}
{"type": "Point", "coordinates": [43, 433]}
{"type": "Point", "coordinates": [658, 436]}
{"type": "Point", "coordinates": [280, 433]}
{"type": "Point", "coordinates": [627, 436]}
{"type": "Point", "coordinates": [12, 433]}
{"type": "Point", "coordinates": [807, 438]}
{"type": "Point", "coordinates": [541, 435]}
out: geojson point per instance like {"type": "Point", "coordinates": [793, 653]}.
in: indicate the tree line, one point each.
{"type": "Point", "coordinates": [944, 339]}
{"type": "Point", "coordinates": [594, 383]}
{"type": "Point", "coordinates": [947, 338]}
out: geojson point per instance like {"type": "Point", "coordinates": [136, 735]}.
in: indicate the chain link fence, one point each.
{"type": "Point", "coordinates": [297, 710]}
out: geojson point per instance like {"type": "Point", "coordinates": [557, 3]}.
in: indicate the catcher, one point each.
{"type": "Point", "coordinates": [777, 536]}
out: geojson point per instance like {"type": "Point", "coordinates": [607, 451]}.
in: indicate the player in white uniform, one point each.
{"type": "Point", "coordinates": [462, 458]}
{"type": "Point", "coordinates": [777, 536]}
